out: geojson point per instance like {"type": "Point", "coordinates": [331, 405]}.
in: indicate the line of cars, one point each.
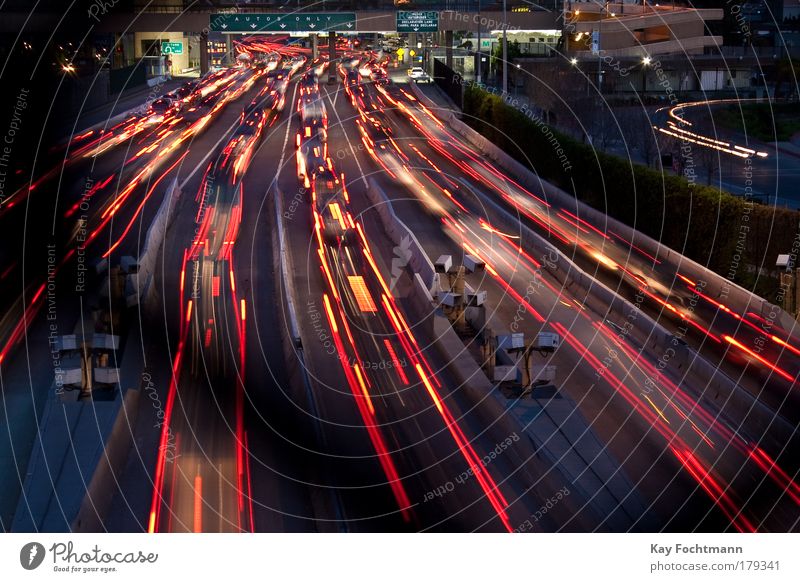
{"type": "Point", "coordinates": [191, 100]}
{"type": "Point", "coordinates": [312, 139]}
{"type": "Point", "coordinates": [195, 98]}
{"type": "Point", "coordinates": [329, 199]}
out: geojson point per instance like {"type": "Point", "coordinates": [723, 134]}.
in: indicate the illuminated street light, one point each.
{"type": "Point", "coordinates": [646, 61]}
{"type": "Point", "coordinates": [573, 61]}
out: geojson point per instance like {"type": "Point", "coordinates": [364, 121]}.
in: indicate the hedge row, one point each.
{"type": "Point", "coordinates": [726, 233]}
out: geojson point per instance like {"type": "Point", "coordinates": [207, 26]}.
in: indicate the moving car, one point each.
{"type": "Point", "coordinates": [331, 205]}
{"type": "Point", "coordinates": [160, 109]}
{"type": "Point", "coordinates": [418, 74]}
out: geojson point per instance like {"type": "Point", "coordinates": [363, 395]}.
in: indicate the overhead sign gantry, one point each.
{"type": "Point", "coordinates": [417, 21]}
{"type": "Point", "coordinates": [282, 22]}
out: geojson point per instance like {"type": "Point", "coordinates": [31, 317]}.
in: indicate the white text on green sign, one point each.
{"type": "Point", "coordinates": [171, 48]}
{"type": "Point", "coordinates": [278, 22]}
{"type": "Point", "coordinates": [417, 21]}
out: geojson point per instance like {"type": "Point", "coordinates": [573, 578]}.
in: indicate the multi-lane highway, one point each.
{"type": "Point", "coordinates": [296, 389]}
{"type": "Point", "coordinates": [453, 186]}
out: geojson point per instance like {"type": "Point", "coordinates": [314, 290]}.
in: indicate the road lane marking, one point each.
{"type": "Point", "coordinates": [211, 151]}
{"type": "Point", "coordinates": [286, 137]}
{"type": "Point", "coordinates": [347, 138]}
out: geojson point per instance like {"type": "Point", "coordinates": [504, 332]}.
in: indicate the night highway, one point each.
{"type": "Point", "coordinates": [293, 287]}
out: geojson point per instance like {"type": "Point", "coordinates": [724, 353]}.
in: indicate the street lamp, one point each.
{"type": "Point", "coordinates": [645, 63]}
{"type": "Point", "coordinates": [478, 73]}
{"type": "Point", "coordinates": [505, 50]}
{"type": "Point", "coordinates": [599, 53]}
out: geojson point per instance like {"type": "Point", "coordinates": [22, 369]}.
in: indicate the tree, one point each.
{"type": "Point", "coordinates": [638, 133]}
{"type": "Point", "coordinates": [512, 52]}
{"type": "Point", "coordinates": [786, 72]}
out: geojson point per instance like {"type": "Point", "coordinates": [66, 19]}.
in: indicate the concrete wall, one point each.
{"type": "Point", "coordinates": [80, 453]}
{"type": "Point", "coordinates": [326, 504]}
{"type": "Point", "coordinates": [397, 231]}
{"type": "Point", "coordinates": [153, 243]}
{"type": "Point", "coordinates": [179, 62]}
{"type": "Point", "coordinates": [102, 487]}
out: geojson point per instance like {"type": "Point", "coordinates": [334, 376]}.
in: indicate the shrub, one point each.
{"type": "Point", "coordinates": [703, 223]}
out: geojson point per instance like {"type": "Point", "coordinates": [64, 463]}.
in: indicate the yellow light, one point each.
{"type": "Point", "coordinates": [361, 293]}
{"type": "Point", "coordinates": [604, 260]}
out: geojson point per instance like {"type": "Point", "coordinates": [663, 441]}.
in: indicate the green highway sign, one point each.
{"type": "Point", "coordinates": [427, 21]}
{"type": "Point", "coordinates": [171, 48]}
{"type": "Point", "coordinates": [282, 22]}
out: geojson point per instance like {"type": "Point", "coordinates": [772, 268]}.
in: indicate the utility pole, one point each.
{"type": "Point", "coordinates": [478, 62]}
{"type": "Point", "coordinates": [796, 312]}
{"type": "Point", "coordinates": [505, 49]}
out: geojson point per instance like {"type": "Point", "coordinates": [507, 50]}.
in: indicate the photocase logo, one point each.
{"type": "Point", "coordinates": [402, 255]}
{"type": "Point", "coordinates": [31, 555]}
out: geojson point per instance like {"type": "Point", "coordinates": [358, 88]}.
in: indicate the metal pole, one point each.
{"type": "Point", "coordinates": [644, 78]}
{"type": "Point", "coordinates": [599, 51]}
{"type": "Point", "coordinates": [795, 281]}
{"type": "Point", "coordinates": [86, 365]}
{"type": "Point", "coordinates": [505, 50]}
{"type": "Point", "coordinates": [478, 72]}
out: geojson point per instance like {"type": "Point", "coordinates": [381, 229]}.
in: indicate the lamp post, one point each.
{"type": "Point", "coordinates": [505, 50]}
{"type": "Point", "coordinates": [645, 63]}
{"type": "Point", "coordinates": [478, 64]}
{"type": "Point", "coordinates": [599, 53]}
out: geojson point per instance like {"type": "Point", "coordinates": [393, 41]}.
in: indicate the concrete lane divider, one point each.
{"type": "Point", "coordinates": [398, 232]}
{"type": "Point", "coordinates": [153, 244]}
{"type": "Point", "coordinates": [328, 507]}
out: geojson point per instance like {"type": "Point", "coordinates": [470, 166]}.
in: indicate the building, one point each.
{"type": "Point", "coordinates": [634, 30]}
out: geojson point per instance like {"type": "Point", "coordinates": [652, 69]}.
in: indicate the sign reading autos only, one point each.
{"type": "Point", "coordinates": [282, 22]}
{"type": "Point", "coordinates": [65, 558]}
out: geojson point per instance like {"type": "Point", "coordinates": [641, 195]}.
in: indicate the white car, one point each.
{"type": "Point", "coordinates": [418, 74]}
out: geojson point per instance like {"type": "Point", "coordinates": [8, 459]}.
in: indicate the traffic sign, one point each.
{"type": "Point", "coordinates": [171, 48]}
{"type": "Point", "coordinates": [595, 42]}
{"type": "Point", "coordinates": [401, 51]}
{"type": "Point", "coordinates": [281, 22]}
{"type": "Point", "coordinates": [417, 21]}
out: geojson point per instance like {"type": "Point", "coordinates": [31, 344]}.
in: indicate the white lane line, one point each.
{"type": "Point", "coordinates": [335, 97]}
{"type": "Point", "coordinates": [285, 137]}
{"type": "Point", "coordinates": [346, 137]}
{"type": "Point", "coordinates": [211, 151]}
